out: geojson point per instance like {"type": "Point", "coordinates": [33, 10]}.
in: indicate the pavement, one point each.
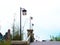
{"type": "Point", "coordinates": [46, 43]}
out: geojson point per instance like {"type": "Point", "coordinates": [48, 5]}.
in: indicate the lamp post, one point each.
{"type": "Point", "coordinates": [30, 21]}
{"type": "Point", "coordinates": [22, 11]}
{"type": "Point", "coordinates": [13, 26]}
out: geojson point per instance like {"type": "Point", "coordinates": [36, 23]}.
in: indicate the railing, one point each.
{"type": "Point", "coordinates": [28, 39]}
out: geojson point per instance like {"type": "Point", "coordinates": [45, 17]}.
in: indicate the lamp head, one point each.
{"type": "Point", "coordinates": [24, 11]}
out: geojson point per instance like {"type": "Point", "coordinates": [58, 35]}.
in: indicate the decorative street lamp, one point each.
{"type": "Point", "coordinates": [22, 11]}
{"type": "Point", "coordinates": [30, 21]}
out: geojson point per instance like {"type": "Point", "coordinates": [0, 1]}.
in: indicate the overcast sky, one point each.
{"type": "Point", "coordinates": [45, 13]}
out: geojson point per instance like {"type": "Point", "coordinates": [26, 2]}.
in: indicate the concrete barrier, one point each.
{"type": "Point", "coordinates": [19, 43]}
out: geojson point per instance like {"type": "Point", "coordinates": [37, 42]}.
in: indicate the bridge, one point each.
{"type": "Point", "coordinates": [46, 43]}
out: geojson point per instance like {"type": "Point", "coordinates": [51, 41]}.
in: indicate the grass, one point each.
{"type": "Point", "coordinates": [5, 43]}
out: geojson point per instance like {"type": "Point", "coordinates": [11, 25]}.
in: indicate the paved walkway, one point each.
{"type": "Point", "coordinates": [46, 43]}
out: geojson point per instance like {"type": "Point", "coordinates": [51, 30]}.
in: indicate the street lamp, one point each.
{"type": "Point", "coordinates": [30, 21]}
{"type": "Point", "coordinates": [22, 11]}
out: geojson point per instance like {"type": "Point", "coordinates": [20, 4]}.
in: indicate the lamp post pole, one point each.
{"type": "Point", "coordinates": [30, 22]}
{"type": "Point", "coordinates": [20, 22]}
{"type": "Point", "coordinates": [22, 10]}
